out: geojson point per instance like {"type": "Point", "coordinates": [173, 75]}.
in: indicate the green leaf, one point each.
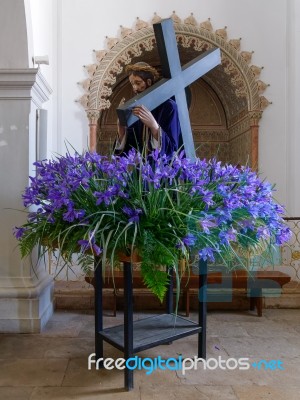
{"type": "Point", "coordinates": [155, 280]}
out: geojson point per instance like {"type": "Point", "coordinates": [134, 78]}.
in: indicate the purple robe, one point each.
{"type": "Point", "coordinates": [166, 116]}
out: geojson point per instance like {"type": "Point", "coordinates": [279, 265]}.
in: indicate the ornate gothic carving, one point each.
{"type": "Point", "coordinates": [236, 43]}
{"type": "Point", "coordinates": [175, 18]}
{"type": "Point", "coordinates": [83, 100]}
{"type": "Point", "coordinates": [125, 31]}
{"type": "Point", "coordinates": [155, 19]}
{"type": "Point", "coordinates": [222, 32]}
{"type": "Point", "coordinates": [93, 116]}
{"type": "Point", "coordinates": [140, 24]}
{"type": "Point", "coordinates": [100, 54]}
{"type": "Point", "coordinates": [256, 70]}
{"type": "Point", "coordinates": [207, 25]}
{"type": "Point", "coordinates": [255, 116]}
{"type": "Point", "coordinates": [262, 86]}
{"type": "Point", "coordinates": [247, 56]}
{"type": "Point", "coordinates": [236, 82]}
{"type": "Point", "coordinates": [133, 44]}
{"type": "Point", "coordinates": [191, 20]}
{"type": "Point", "coordinates": [111, 42]}
{"type": "Point", "coordinates": [85, 84]}
{"type": "Point", "coordinates": [263, 102]}
{"type": "Point", "coordinates": [90, 69]}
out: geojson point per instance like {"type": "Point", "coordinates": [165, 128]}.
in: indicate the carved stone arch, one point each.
{"type": "Point", "coordinates": [232, 90]}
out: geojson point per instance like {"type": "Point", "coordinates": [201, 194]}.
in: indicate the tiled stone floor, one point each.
{"type": "Point", "coordinates": [53, 364]}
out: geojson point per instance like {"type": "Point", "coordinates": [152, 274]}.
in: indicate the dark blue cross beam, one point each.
{"type": "Point", "coordinates": [175, 80]}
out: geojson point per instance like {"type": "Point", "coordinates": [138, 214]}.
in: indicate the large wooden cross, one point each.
{"type": "Point", "coordinates": [175, 80]}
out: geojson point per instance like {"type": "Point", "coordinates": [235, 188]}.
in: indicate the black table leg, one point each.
{"type": "Point", "coordinates": [128, 323]}
{"type": "Point", "coordinates": [202, 308]}
{"type": "Point", "coordinates": [98, 309]}
{"type": "Point", "coordinates": [112, 335]}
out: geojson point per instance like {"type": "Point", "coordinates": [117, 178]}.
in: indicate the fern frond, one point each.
{"type": "Point", "coordinates": [155, 280]}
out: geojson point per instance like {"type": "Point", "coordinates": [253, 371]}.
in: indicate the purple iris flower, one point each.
{"type": "Point", "coordinates": [207, 253]}
{"type": "Point", "coordinates": [284, 234]}
{"type": "Point", "coordinates": [208, 222]}
{"type": "Point", "coordinates": [227, 236]}
{"type": "Point", "coordinates": [263, 232]}
{"type": "Point", "coordinates": [88, 245]}
{"type": "Point", "coordinates": [224, 196]}
{"type": "Point", "coordinates": [19, 232]}
{"type": "Point", "coordinates": [189, 240]}
{"type": "Point", "coordinates": [108, 195]}
{"type": "Point", "coordinates": [73, 214]}
{"type": "Point", "coordinates": [132, 213]}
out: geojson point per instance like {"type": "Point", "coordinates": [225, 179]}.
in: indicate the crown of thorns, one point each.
{"type": "Point", "coordinates": [142, 67]}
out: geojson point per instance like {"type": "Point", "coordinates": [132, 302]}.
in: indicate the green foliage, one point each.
{"type": "Point", "coordinates": [28, 243]}
{"type": "Point", "coordinates": [165, 209]}
{"type": "Point", "coordinates": [155, 256]}
{"type": "Point", "coordinates": [155, 279]}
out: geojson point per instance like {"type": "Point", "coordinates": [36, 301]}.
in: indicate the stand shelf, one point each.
{"type": "Point", "coordinates": [133, 337]}
{"type": "Point", "coordinates": [151, 332]}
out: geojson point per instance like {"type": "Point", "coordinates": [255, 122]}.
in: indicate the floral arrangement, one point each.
{"type": "Point", "coordinates": [163, 209]}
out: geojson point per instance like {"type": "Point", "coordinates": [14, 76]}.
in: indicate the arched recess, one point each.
{"type": "Point", "coordinates": [226, 103]}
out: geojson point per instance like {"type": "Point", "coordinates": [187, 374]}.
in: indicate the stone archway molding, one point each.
{"type": "Point", "coordinates": [132, 43]}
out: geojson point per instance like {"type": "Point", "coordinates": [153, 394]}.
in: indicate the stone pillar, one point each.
{"type": "Point", "coordinates": [26, 301]}
{"type": "Point", "coordinates": [255, 116]}
{"type": "Point", "coordinates": [93, 119]}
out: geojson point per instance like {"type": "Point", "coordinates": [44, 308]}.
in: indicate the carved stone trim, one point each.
{"type": "Point", "coordinates": [93, 116]}
{"type": "Point", "coordinates": [133, 43]}
{"type": "Point", "coordinates": [245, 123]}
{"type": "Point", "coordinates": [242, 100]}
{"type": "Point", "coordinates": [26, 84]}
{"type": "Point", "coordinates": [255, 116]}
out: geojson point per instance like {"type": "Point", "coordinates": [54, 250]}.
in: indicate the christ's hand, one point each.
{"type": "Point", "coordinates": [147, 118]}
{"type": "Point", "coordinates": [121, 128]}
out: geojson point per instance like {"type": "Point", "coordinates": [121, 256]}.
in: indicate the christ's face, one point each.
{"type": "Point", "coordinates": [138, 84]}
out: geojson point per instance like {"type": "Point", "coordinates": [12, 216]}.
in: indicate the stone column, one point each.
{"type": "Point", "coordinates": [255, 116]}
{"type": "Point", "coordinates": [93, 119]}
{"type": "Point", "coordinates": [26, 301]}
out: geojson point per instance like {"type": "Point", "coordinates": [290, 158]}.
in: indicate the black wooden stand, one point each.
{"type": "Point", "coordinates": [132, 337]}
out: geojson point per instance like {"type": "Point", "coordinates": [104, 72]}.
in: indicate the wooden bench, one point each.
{"type": "Point", "coordinates": [254, 283]}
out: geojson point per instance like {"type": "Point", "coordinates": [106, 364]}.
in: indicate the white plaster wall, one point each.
{"type": "Point", "coordinates": [293, 103]}
{"type": "Point", "coordinates": [260, 23]}
{"type": "Point", "coordinates": [43, 25]}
